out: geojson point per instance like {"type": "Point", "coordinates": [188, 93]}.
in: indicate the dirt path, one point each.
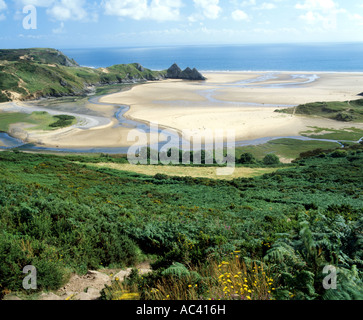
{"type": "Point", "coordinates": [89, 286]}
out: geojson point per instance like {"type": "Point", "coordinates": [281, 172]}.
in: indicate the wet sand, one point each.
{"type": "Point", "coordinates": [241, 101]}
{"type": "Point", "coordinates": [244, 102]}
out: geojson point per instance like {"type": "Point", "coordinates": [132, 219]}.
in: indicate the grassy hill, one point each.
{"type": "Point", "coordinates": [34, 73]}
{"type": "Point", "coordinates": [347, 111]}
{"type": "Point", "coordinates": [63, 215]}
{"type": "Point", "coordinates": [41, 55]}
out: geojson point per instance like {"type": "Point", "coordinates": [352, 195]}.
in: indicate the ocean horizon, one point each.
{"type": "Point", "coordinates": [342, 57]}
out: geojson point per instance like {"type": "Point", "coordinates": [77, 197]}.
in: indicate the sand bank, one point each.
{"type": "Point", "coordinates": [242, 101]}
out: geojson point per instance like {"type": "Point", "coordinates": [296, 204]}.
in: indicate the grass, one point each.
{"type": "Point", "coordinates": [39, 120]}
{"type": "Point", "coordinates": [285, 148]}
{"type": "Point", "coordinates": [188, 171]}
{"type": "Point", "coordinates": [345, 111]}
{"type": "Point", "coordinates": [349, 134]}
{"type": "Point", "coordinates": [113, 88]}
{"type": "Point", "coordinates": [45, 73]}
{"type": "Point", "coordinates": [6, 119]}
{"type": "Point", "coordinates": [42, 55]}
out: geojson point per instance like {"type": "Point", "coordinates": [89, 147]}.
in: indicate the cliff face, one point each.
{"type": "Point", "coordinates": [174, 72]}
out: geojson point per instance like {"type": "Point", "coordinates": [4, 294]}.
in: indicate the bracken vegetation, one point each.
{"type": "Point", "coordinates": [268, 237]}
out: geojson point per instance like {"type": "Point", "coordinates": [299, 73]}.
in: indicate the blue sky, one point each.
{"type": "Point", "coordinates": [118, 23]}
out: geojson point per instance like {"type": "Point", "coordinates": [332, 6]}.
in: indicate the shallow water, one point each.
{"type": "Point", "coordinates": [9, 141]}
{"type": "Point", "coordinates": [174, 139]}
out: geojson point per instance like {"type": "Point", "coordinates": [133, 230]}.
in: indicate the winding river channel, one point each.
{"type": "Point", "coordinates": [88, 121]}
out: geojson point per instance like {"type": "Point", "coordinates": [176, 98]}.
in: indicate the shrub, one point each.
{"type": "Point", "coordinates": [12, 261]}
{"type": "Point", "coordinates": [339, 154]}
{"type": "Point", "coordinates": [160, 176]}
{"type": "Point", "coordinates": [50, 274]}
{"type": "Point", "coordinates": [344, 117]}
{"type": "Point", "coordinates": [228, 280]}
{"type": "Point", "coordinates": [64, 121]}
{"type": "Point", "coordinates": [247, 158]}
{"type": "Point", "coordinates": [271, 159]}
{"type": "Point", "coordinates": [121, 249]}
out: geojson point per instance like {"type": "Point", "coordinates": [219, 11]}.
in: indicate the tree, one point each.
{"type": "Point", "coordinates": [271, 159]}
{"type": "Point", "coordinates": [247, 158]}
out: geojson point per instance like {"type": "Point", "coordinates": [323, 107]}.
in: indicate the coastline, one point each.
{"type": "Point", "coordinates": [191, 112]}
{"type": "Point", "coordinates": [220, 102]}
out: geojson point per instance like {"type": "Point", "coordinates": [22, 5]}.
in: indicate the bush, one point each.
{"type": "Point", "coordinates": [247, 158]}
{"type": "Point", "coordinates": [3, 98]}
{"type": "Point", "coordinates": [50, 274]}
{"type": "Point", "coordinates": [64, 121]}
{"type": "Point", "coordinates": [345, 117]}
{"type": "Point", "coordinates": [12, 262]}
{"type": "Point", "coordinates": [160, 176]}
{"type": "Point", "coordinates": [122, 250]}
{"type": "Point", "coordinates": [339, 154]}
{"type": "Point", "coordinates": [271, 159]}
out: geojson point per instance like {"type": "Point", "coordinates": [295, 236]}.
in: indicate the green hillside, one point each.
{"type": "Point", "coordinates": [41, 55]}
{"type": "Point", "coordinates": [347, 111]}
{"type": "Point", "coordinates": [63, 215]}
{"type": "Point", "coordinates": [34, 73]}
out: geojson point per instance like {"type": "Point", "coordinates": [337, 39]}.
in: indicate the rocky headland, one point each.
{"type": "Point", "coordinates": [174, 72]}
{"type": "Point", "coordinates": [28, 74]}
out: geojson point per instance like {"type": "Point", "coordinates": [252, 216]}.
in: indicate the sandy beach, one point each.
{"type": "Point", "coordinates": [242, 101]}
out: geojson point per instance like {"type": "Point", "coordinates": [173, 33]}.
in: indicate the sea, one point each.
{"type": "Point", "coordinates": [323, 57]}
{"type": "Point", "coordinates": [338, 57]}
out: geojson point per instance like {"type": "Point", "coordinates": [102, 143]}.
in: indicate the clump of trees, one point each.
{"type": "Point", "coordinates": [268, 160]}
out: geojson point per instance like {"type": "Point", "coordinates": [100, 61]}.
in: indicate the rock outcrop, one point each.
{"type": "Point", "coordinates": [29, 67]}
{"type": "Point", "coordinates": [174, 72]}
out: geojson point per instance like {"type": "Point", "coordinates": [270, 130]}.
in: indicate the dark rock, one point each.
{"type": "Point", "coordinates": [190, 74]}
{"type": "Point", "coordinates": [361, 94]}
{"type": "Point", "coordinates": [186, 73]}
{"type": "Point", "coordinates": [174, 72]}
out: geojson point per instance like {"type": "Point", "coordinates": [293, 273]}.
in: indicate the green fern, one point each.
{"type": "Point", "coordinates": [176, 270]}
{"type": "Point", "coordinates": [349, 286]}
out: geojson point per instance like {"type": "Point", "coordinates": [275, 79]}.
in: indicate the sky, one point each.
{"type": "Point", "coordinates": [128, 23]}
